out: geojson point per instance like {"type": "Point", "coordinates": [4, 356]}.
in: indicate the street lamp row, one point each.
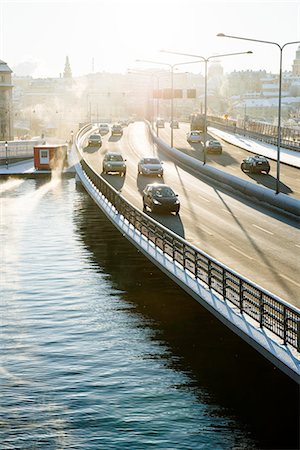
{"type": "Point", "coordinates": [172, 67]}
{"type": "Point", "coordinates": [206, 60]}
{"type": "Point", "coordinates": [281, 47]}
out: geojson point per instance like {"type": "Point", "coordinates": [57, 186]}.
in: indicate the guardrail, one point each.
{"type": "Point", "coordinates": [267, 310]}
{"type": "Point", "coordinates": [18, 149]}
{"type": "Point", "coordinates": [290, 138]}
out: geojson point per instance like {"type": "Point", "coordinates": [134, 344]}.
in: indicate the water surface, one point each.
{"type": "Point", "coordinates": [100, 350]}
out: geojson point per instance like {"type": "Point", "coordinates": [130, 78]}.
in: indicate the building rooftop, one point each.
{"type": "Point", "coordinates": [267, 102]}
{"type": "Point", "coordinates": [4, 67]}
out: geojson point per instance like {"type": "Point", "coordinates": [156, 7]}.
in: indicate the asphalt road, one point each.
{"type": "Point", "coordinates": [261, 244]}
{"type": "Point", "coordinates": [230, 161]}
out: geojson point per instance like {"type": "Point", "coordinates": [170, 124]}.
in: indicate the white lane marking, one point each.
{"type": "Point", "coordinates": [203, 198]}
{"type": "Point", "coordinates": [263, 229]}
{"type": "Point", "coordinates": [239, 251]}
{"type": "Point", "coordinates": [289, 279]}
{"type": "Point", "coordinates": [226, 210]}
{"type": "Point", "coordinates": [296, 245]}
{"type": "Point", "coordinates": [206, 230]}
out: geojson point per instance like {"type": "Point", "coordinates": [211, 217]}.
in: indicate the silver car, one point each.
{"type": "Point", "coordinates": [150, 166]}
{"type": "Point", "coordinates": [113, 162]}
{"type": "Point", "coordinates": [117, 130]}
{"type": "Point", "coordinates": [174, 124]}
{"type": "Point", "coordinates": [193, 137]}
{"type": "Point", "coordinates": [103, 128]}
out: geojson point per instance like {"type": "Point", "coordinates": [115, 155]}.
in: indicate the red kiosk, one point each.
{"type": "Point", "coordinates": [48, 157]}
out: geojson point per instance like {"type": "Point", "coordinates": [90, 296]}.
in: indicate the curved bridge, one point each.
{"type": "Point", "coordinates": [265, 321]}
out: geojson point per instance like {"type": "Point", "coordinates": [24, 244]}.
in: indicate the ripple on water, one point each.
{"type": "Point", "coordinates": [99, 349]}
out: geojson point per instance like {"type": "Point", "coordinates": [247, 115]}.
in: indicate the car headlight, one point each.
{"type": "Point", "coordinates": [108, 165]}
{"type": "Point", "coordinates": [146, 170]}
{"type": "Point", "coordinates": [156, 202]}
{"type": "Point", "coordinates": [177, 202]}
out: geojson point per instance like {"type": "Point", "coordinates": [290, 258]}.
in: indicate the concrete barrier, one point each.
{"type": "Point", "coordinates": [281, 201]}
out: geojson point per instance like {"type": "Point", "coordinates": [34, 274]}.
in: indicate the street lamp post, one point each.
{"type": "Point", "coordinates": [281, 47]}
{"type": "Point", "coordinates": [72, 137]}
{"type": "Point", "coordinates": [32, 123]}
{"type": "Point", "coordinates": [245, 109]}
{"type": "Point", "coordinates": [157, 102]}
{"type": "Point", "coordinates": [171, 66]}
{"type": "Point", "coordinates": [6, 154]}
{"type": "Point", "coordinates": [205, 60]}
{"type": "Point", "coordinates": [154, 75]}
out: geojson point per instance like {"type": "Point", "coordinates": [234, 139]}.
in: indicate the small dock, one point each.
{"type": "Point", "coordinates": [26, 169]}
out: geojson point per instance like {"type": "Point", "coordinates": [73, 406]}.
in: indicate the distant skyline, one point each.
{"type": "Point", "coordinates": [109, 35]}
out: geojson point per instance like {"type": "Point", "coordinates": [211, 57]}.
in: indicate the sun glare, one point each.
{"type": "Point", "coordinates": [113, 34]}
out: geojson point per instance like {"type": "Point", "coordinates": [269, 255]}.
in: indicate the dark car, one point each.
{"type": "Point", "coordinates": [160, 197]}
{"type": "Point", "coordinates": [255, 164]}
{"type": "Point", "coordinates": [213, 146]}
{"type": "Point", "coordinates": [95, 139]}
{"type": "Point", "coordinates": [114, 162]}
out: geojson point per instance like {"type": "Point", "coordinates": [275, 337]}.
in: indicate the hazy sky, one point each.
{"type": "Point", "coordinates": [36, 36]}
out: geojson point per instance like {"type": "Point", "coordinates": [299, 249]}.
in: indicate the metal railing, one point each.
{"type": "Point", "coordinates": [18, 149]}
{"type": "Point", "coordinates": [264, 132]}
{"type": "Point", "coordinates": [269, 311]}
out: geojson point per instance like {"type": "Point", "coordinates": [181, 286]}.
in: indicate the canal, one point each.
{"type": "Point", "coordinates": [100, 350]}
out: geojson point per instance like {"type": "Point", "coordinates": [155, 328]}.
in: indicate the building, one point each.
{"type": "Point", "coordinates": [67, 69]}
{"type": "Point", "coordinates": [6, 114]}
{"type": "Point", "coordinates": [49, 106]}
{"type": "Point", "coordinates": [50, 157]}
{"type": "Point", "coordinates": [261, 104]}
{"type": "Point", "coordinates": [266, 109]}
